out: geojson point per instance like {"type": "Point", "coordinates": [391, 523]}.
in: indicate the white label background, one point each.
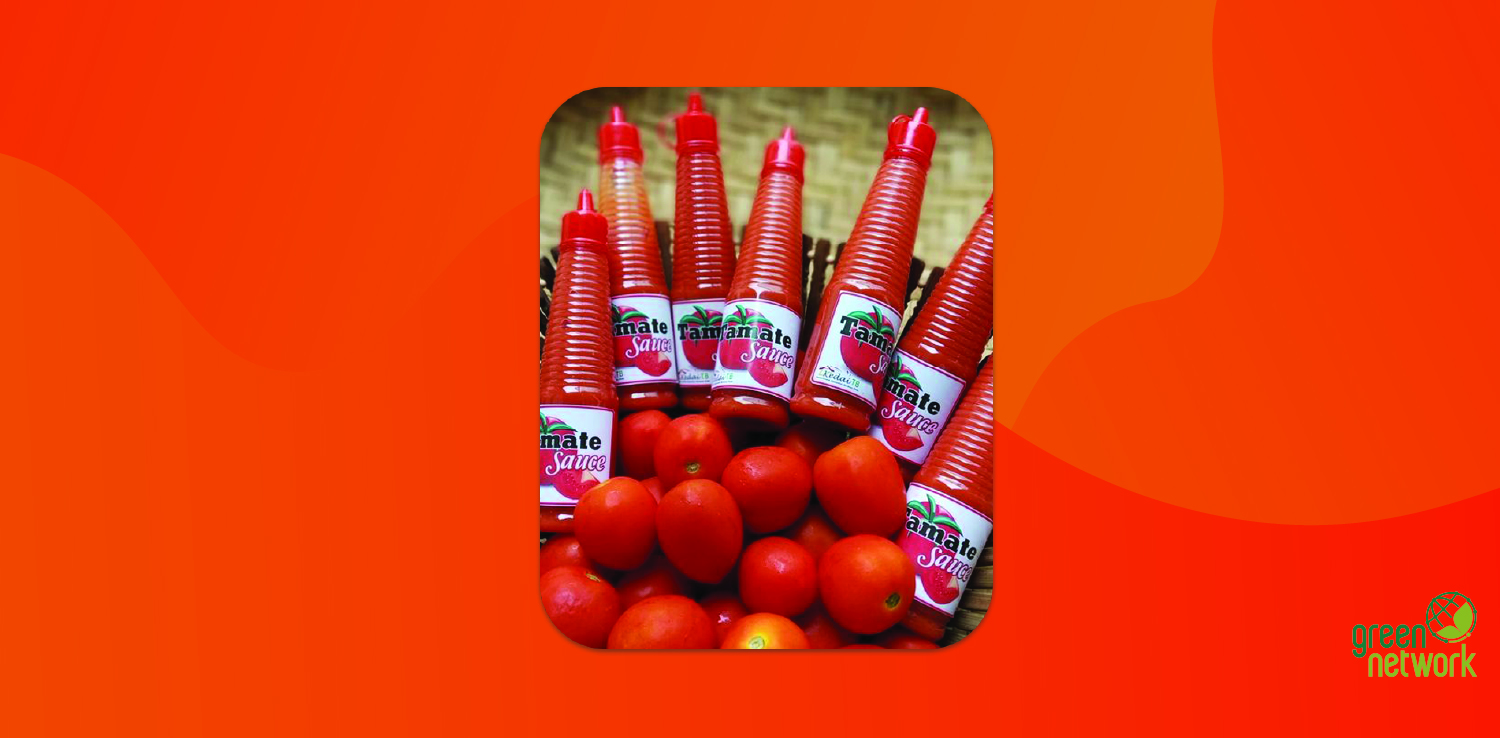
{"type": "Point", "coordinates": [782, 318]}
{"type": "Point", "coordinates": [656, 308]}
{"type": "Point", "coordinates": [687, 374]}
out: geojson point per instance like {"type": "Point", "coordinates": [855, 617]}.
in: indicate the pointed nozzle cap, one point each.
{"type": "Point", "coordinates": [912, 137]}
{"type": "Point", "coordinates": [696, 129]}
{"type": "Point", "coordinates": [785, 155]}
{"type": "Point", "coordinates": [584, 225]}
{"type": "Point", "coordinates": [618, 139]}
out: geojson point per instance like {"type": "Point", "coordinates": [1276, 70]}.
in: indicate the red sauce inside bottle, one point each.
{"type": "Point", "coordinates": [645, 353]}
{"type": "Point", "coordinates": [577, 370]}
{"type": "Point", "coordinates": [702, 253]}
{"type": "Point", "coordinates": [959, 478]}
{"type": "Point", "coordinates": [854, 337]}
{"type": "Point", "coordinates": [940, 352]}
{"type": "Point", "coordinates": [765, 300]}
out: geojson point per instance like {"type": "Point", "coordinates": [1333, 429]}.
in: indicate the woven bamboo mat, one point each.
{"type": "Point", "coordinates": [842, 128]}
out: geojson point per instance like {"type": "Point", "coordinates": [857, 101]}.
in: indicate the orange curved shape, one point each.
{"type": "Point", "coordinates": [1337, 362]}
{"type": "Point", "coordinates": [1110, 190]}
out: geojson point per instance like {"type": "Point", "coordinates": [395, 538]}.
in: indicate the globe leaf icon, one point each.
{"type": "Point", "coordinates": [1463, 618]}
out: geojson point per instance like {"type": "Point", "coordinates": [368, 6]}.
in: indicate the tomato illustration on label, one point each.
{"type": "Point", "coordinates": [942, 586]}
{"type": "Point", "coordinates": [867, 339]}
{"type": "Point", "coordinates": [737, 349]}
{"type": "Point", "coordinates": [758, 347]}
{"type": "Point", "coordinates": [896, 413]}
{"type": "Point", "coordinates": [943, 538]}
{"type": "Point", "coordinates": [698, 332]}
{"type": "Point", "coordinates": [571, 460]}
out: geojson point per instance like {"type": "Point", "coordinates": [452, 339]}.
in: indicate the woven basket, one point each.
{"type": "Point", "coordinates": [842, 128]}
{"type": "Point", "coordinates": [818, 258]}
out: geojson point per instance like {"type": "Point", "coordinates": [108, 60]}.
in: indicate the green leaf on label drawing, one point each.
{"type": "Point", "coordinates": [903, 375]}
{"type": "Point", "coordinates": [758, 320]}
{"type": "Point", "coordinates": [914, 505]}
{"type": "Point", "coordinates": [945, 520]}
{"type": "Point", "coordinates": [715, 320]}
{"type": "Point", "coordinates": [931, 510]}
{"type": "Point", "coordinates": [863, 317]}
{"type": "Point", "coordinates": [630, 314]}
{"type": "Point", "coordinates": [557, 427]}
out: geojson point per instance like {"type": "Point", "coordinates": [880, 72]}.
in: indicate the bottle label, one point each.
{"type": "Point", "coordinates": [858, 346]}
{"type": "Point", "coordinates": [699, 323]}
{"type": "Point", "coordinates": [914, 406]}
{"type": "Point", "coordinates": [943, 537]}
{"type": "Point", "coordinates": [758, 350]}
{"type": "Point", "coordinates": [644, 352]}
{"type": "Point", "coordinates": [576, 445]}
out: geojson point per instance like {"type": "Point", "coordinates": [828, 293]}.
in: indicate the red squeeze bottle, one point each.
{"type": "Point", "coordinates": [949, 509]}
{"type": "Point", "coordinates": [940, 352]}
{"type": "Point", "coordinates": [645, 359]}
{"type": "Point", "coordinates": [577, 373]}
{"type": "Point", "coordinates": [859, 319]}
{"type": "Point", "coordinates": [763, 314]}
{"type": "Point", "coordinates": [702, 253]}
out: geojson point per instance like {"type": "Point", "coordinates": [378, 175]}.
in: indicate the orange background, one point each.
{"type": "Point", "coordinates": [263, 402]}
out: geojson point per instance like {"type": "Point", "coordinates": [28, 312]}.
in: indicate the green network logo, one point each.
{"type": "Point", "coordinates": [1401, 650]}
{"type": "Point", "coordinates": [1451, 617]}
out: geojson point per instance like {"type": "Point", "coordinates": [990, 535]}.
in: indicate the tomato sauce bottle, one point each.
{"type": "Point", "coordinates": [645, 357]}
{"type": "Point", "coordinates": [940, 352]}
{"type": "Point", "coordinates": [949, 509]}
{"type": "Point", "coordinates": [763, 315]}
{"type": "Point", "coordinates": [577, 373]}
{"type": "Point", "coordinates": [859, 319]}
{"type": "Point", "coordinates": [702, 253]}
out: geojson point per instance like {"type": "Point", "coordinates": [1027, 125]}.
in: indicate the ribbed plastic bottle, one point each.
{"type": "Point", "coordinates": [854, 337]}
{"type": "Point", "coordinates": [941, 350]}
{"type": "Point", "coordinates": [702, 253]}
{"type": "Point", "coordinates": [949, 509]}
{"type": "Point", "coordinates": [645, 352]}
{"type": "Point", "coordinates": [577, 373]}
{"type": "Point", "coordinates": [763, 314]}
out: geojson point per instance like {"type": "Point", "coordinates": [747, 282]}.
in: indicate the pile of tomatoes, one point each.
{"type": "Point", "coordinates": [701, 545]}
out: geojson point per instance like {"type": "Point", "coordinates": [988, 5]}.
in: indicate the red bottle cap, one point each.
{"type": "Point", "coordinates": [618, 139]}
{"type": "Point", "coordinates": [912, 138]}
{"type": "Point", "coordinates": [696, 129]}
{"type": "Point", "coordinates": [785, 155]}
{"type": "Point", "coordinates": [584, 225]}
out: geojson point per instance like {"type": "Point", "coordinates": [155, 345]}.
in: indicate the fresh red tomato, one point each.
{"type": "Point", "coordinates": [616, 523]}
{"type": "Point", "coordinates": [821, 630]}
{"type": "Point", "coordinates": [866, 583]}
{"type": "Point", "coordinates": [723, 608]}
{"type": "Point", "coordinates": [811, 439]}
{"type": "Point", "coordinates": [814, 531]}
{"type": "Point", "coordinates": [668, 621]}
{"type": "Point", "coordinates": [580, 604]}
{"type": "Point", "coordinates": [859, 486]}
{"type": "Point", "coordinates": [771, 485]}
{"type": "Point", "coordinates": [638, 433]}
{"type": "Point", "coordinates": [764, 630]}
{"type": "Point", "coordinates": [653, 485]}
{"type": "Point", "coordinates": [564, 550]}
{"type": "Point", "coordinates": [903, 639]}
{"type": "Point", "coordinates": [778, 575]}
{"type": "Point", "coordinates": [701, 530]}
{"type": "Point", "coordinates": [657, 577]}
{"type": "Point", "coordinates": [692, 447]}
